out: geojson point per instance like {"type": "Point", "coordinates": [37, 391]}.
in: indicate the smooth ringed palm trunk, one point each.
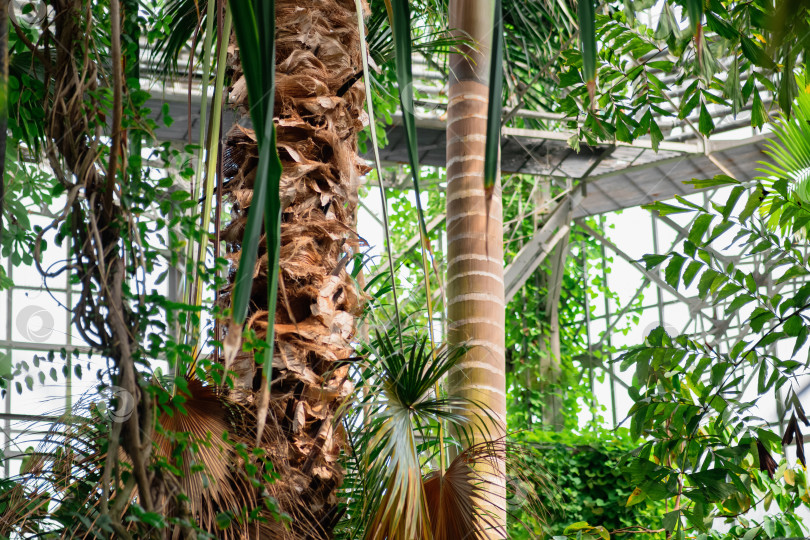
{"type": "Point", "coordinates": [475, 288]}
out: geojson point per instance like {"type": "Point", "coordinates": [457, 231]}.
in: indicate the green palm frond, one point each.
{"type": "Point", "coordinates": [429, 33]}
{"type": "Point", "coordinates": [787, 175]}
{"type": "Point", "coordinates": [402, 411]}
{"type": "Point", "coordinates": [185, 18]}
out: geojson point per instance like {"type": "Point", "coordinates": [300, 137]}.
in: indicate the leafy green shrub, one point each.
{"type": "Point", "coordinates": [591, 487]}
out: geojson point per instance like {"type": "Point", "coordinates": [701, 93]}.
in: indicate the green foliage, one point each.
{"type": "Point", "coordinates": [26, 187]}
{"type": "Point", "coordinates": [704, 448]}
{"type": "Point", "coordinates": [492, 148]}
{"type": "Point", "coordinates": [590, 486]}
{"type": "Point", "coordinates": [395, 433]}
{"type": "Point", "coordinates": [535, 33]}
{"type": "Point", "coordinates": [527, 337]}
{"type": "Point", "coordinates": [254, 26]}
{"type": "Point", "coordinates": [718, 59]}
{"type": "Point", "coordinates": [787, 174]}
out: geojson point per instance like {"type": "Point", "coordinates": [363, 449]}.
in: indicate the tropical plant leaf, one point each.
{"type": "Point", "coordinates": [402, 40]}
{"type": "Point", "coordinates": [212, 150]}
{"type": "Point", "coordinates": [392, 429]}
{"type": "Point", "coordinates": [789, 167]}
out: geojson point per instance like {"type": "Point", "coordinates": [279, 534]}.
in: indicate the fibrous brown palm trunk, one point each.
{"type": "Point", "coordinates": [318, 108]}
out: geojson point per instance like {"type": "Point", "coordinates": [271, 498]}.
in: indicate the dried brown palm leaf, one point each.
{"type": "Point", "coordinates": [195, 440]}
{"type": "Point", "coordinates": [463, 503]}
{"type": "Point", "coordinates": [202, 474]}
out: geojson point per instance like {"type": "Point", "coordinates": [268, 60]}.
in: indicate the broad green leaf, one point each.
{"type": "Point", "coordinates": [792, 272]}
{"type": "Point", "coordinates": [758, 318]}
{"type": "Point", "coordinates": [651, 261]}
{"type": "Point", "coordinates": [801, 339]}
{"type": "Point", "coordinates": [655, 135]}
{"type": "Point", "coordinates": [739, 302]}
{"type": "Point", "coordinates": [578, 526]}
{"type": "Point", "coordinates": [699, 228]}
{"type": "Point", "coordinates": [759, 116]}
{"type": "Point", "coordinates": [705, 122]}
{"type": "Point", "coordinates": [665, 209]}
{"type": "Point", "coordinates": [695, 10]}
{"type": "Point", "coordinates": [690, 272]}
{"type": "Point", "coordinates": [731, 202]}
{"type": "Point", "coordinates": [672, 273]}
{"type": "Point", "coordinates": [670, 520]}
{"type": "Point", "coordinates": [754, 202]}
{"type": "Point", "coordinates": [706, 280]}
{"type": "Point", "coordinates": [794, 325]}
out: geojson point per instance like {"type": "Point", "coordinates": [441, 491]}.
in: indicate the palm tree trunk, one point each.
{"type": "Point", "coordinates": [318, 106]}
{"type": "Point", "coordinates": [475, 288]}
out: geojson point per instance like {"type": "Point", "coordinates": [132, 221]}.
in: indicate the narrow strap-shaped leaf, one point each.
{"type": "Point", "coordinates": [493, 142]}
{"type": "Point", "coordinates": [255, 31]}
{"type": "Point", "coordinates": [270, 166]}
{"type": "Point", "coordinates": [587, 37]}
{"type": "Point", "coordinates": [695, 10]}
{"type": "Point", "coordinates": [372, 127]}
{"type": "Point", "coordinates": [247, 34]}
{"type": "Point", "coordinates": [210, 174]}
{"type": "Point", "coordinates": [402, 43]}
{"type": "Point", "coordinates": [208, 40]}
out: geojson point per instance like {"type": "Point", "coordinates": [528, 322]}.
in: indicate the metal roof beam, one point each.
{"type": "Point", "coordinates": [653, 276]}
{"type": "Point", "coordinates": [535, 251]}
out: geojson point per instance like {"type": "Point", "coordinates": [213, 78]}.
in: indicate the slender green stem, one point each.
{"type": "Point", "coordinates": [211, 154]}
{"type": "Point", "coordinates": [372, 125]}
{"type": "Point", "coordinates": [208, 41]}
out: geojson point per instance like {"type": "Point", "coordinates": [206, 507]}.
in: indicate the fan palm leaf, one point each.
{"type": "Point", "coordinates": [395, 490]}
{"type": "Point", "coordinates": [198, 444]}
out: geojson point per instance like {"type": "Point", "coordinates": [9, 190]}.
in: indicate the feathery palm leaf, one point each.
{"type": "Point", "coordinates": [401, 413]}
{"type": "Point", "coordinates": [185, 18]}
{"type": "Point", "coordinates": [536, 32]}
{"type": "Point", "coordinates": [788, 172]}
